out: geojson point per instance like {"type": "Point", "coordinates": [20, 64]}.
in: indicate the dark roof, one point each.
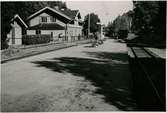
{"type": "Point", "coordinates": [66, 13]}
{"type": "Point", "coordinates": [70, 13]}
{"type": "Point", "coordinates": [47, 26]}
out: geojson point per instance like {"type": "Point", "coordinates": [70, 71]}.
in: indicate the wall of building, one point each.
{"type": "Point", "coordinates": [74, 31]}
{"type": "Point", "coordinates": [18, 30]}
{"type": "Point", "coordinates": [55, 33]}
{"type": "Point", "coordinates": [48, 32]}
{"type": "Point", "coordinates": [9, 37]}
{"type": "Point", "coordinates": [15, 34]}
{"type": "Point", "coordinates": [76, 22]}
{"type": "Point", "coordinates": [37, 20]}
{"type": "Point", "coordinates": [31, 32]}
{"type": "Point", "coordinates": [71, 31]}
{"type": "Point", "coordinates": [34, 21]}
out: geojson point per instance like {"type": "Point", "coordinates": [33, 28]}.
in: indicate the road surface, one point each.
{"type": "Point", "coordinates": [79, 78]}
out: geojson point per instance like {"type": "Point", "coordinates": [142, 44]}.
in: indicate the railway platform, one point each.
{"type": "Point", "coordinates": [148, 72]}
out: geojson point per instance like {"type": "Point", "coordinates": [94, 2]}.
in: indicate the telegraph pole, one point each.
{"type": "Point", "coordinates": [88, 25]}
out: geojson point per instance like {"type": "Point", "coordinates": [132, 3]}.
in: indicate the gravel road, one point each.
{"type": "Point", "coordinates": [79, 78]}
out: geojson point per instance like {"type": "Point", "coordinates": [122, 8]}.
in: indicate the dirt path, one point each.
{"type": "Point", "coordinates": [73, 79]}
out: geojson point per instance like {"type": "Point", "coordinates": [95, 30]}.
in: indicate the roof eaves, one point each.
{"type": "Point", "coordinates": [59, 13]}
{"type": "Point", "coordinates": [47, 27]}
{"type": "Point", "coordinates": [17, 16]}
{"type": "Point", "coordinates": [36, 13]}
{"type": "Point", "coordinates": [49, 9]}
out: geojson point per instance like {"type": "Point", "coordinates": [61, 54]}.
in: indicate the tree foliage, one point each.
{"type": "Point", "coordinates": [94, 19]}
{"type": "Point", "coordinates": [123, 22]}
{"type": "Point", "coordinates": [109, 30]}
{"type": "Point", "coordinates": [57, 3]}
{"type": "Point", "coordinates": [24, 9]}
{"type": "Point", "coordinates": [149, 20]}
{"type": "Point", "coordinates": [120, 24]}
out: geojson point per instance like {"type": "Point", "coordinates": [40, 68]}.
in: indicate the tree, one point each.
{"type": "Point", "coordinates": [123, 22]}
{"type": "Point", "coordinates": [121, 25]}
{"type": "Point", "coordinates": [24, 9]}
{"type": "Point", "coordinates": [60, 4]}
{"type": "Point", "coordinates": [94, 19]}
{"type": "Point", "coordinates": [149, 20]}
{"type": "Point", "coordinates": [109, 30]}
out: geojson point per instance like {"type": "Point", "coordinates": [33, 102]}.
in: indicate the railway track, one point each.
{"type": "Point", "coordinates": [149, 78]}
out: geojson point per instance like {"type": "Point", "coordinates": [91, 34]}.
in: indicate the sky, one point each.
{"type": "Point", "coordinates": [106, 10]}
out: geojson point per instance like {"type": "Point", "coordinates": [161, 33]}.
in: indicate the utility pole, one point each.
{"type": "Point", "coordinates": [88, 25]}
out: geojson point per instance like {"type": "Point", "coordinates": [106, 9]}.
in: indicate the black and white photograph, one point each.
{"type": "Point", "coordinates": [83, 56]}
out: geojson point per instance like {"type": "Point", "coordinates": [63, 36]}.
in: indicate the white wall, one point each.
{"type": "Point", "coordinates": [9, 37]}
{"type": "Point", "coordinates": [76, 22]}
{"type": "Point", "coordinates": [48, 32]}
{"type": "Point", "coordinates": [74, 31]}
{"type": "Point", "coordinates": [17, 30]}
{"type": "Point", "coordinates": [31, 32]}
{"type": "Point", "coordinates": [55, 33]}
{"type": "Point", "coordinates": [34, 21]}
{"type": "Point", "coordinates": [37, 20]}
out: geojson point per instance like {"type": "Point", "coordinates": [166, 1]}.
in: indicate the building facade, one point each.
{"type": "Point", "coordinates": [57, 23]}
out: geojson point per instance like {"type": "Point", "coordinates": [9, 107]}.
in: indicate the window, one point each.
{"type": "Point", "coordinates": [44, 19]}
{"type": "Point", "coordinates": [53, 19]}
{"type": "Point", "coordinates": [38, 32]}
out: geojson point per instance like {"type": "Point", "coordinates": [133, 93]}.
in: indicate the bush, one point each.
{"type": "Point", "coordinates": [36, 39]}
{"type": "Point", "coordinates": [122, 34]}
{"type": "Point", "coordinates": [4, 45]}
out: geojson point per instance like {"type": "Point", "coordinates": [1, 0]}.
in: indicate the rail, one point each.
{"type": "Point", "coordinates": [138, 53]}
{"type": "Point", "coordinates": [146, 72]}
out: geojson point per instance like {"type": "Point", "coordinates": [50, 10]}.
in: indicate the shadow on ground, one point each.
{"type": "Point", "coordinates": [107, 71]}
{"type": "Point", "coordinates": [120, 57]}
{"type": "Point", "coordinates": [89, 46]}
